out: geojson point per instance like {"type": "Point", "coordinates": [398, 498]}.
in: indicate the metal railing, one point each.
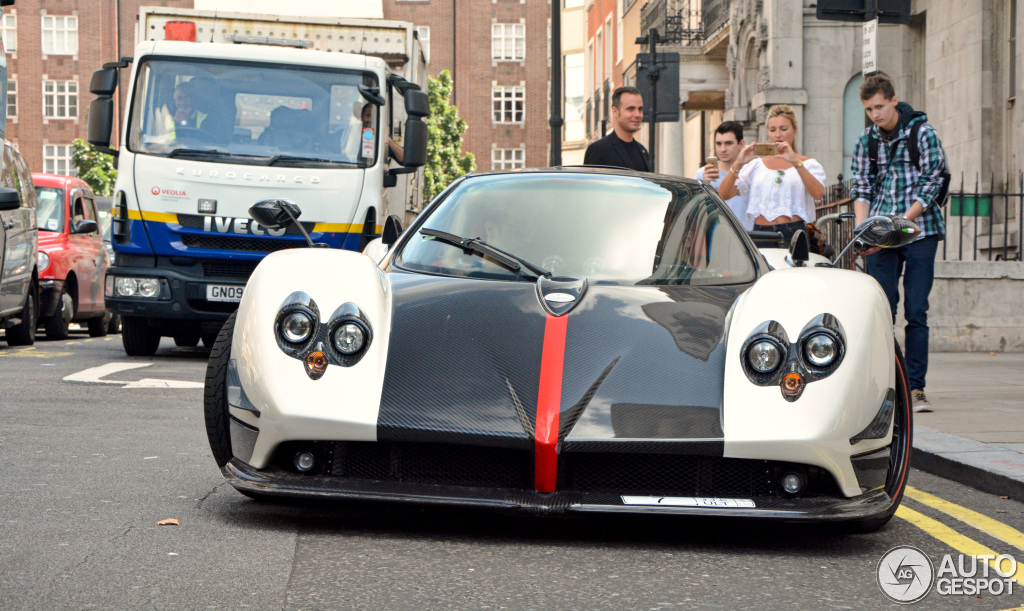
{"type": "Point", "coordinates": [983, 222]}
{"type": "Point", "coordinates": [677, 20]}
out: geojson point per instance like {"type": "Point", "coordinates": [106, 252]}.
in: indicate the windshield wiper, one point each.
{"type": "Point", "coordinates": [189, 152]}
{"type": "Point", "coordinates": [301, 159]}
{"type": "Point", "coordinates": [505, 259]}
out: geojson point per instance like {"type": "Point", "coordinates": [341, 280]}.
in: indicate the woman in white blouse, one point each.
{"type": "Point", "coordinates": [781, 189]}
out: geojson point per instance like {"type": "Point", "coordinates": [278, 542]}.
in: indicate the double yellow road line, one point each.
{"type": "Point", "coordinates": [961, 543]}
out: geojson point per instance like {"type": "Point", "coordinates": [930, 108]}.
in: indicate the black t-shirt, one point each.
{"type": "Point", "coordinates": [636, 158]}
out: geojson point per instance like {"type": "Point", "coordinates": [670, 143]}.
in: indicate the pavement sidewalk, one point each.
{"type": "Point", "coordinates": [976, 434]}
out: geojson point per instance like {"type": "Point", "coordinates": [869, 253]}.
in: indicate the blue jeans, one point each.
{"type": "Point", "coordinates": [916, 263]}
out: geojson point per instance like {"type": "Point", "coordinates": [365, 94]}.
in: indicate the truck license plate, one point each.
{"type": "Point", "coordinates": [224, 292]}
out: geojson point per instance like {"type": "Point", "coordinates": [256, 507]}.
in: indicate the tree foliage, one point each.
{"type": "Point", "coordinates": [94, 167]}
{"type": "Point", "coordinates": [445, 161]}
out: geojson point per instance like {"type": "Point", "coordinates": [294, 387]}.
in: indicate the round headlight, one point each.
{"type": "Point", "coordinates": [127, 287]}
{"type": "Point", "coordinates": [44, 260]}
{"type": "Point", "coordinates": [349, 338]}
{"type": "Point", "coordinates": [820, 350]}
{"type": "Point", "coordinates": [149, 287]}
{"type": "Point", "coordinates": [296, 327]}
{"type": "Point", "coordinates": [764, 356]}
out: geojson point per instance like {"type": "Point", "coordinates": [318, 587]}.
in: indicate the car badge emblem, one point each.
{"type": "Point", "coordinates": [559, 297]}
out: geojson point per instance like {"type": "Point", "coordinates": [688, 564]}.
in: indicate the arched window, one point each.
{"type": "Point", "coordinates": [854, 122]}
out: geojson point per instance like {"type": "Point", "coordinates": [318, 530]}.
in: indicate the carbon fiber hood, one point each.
{"type": "Point", "coordinates": [464, 362]}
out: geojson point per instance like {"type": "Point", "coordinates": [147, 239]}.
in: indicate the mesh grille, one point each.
{"type": "Point", "coordinates": [667, 474]}
{"type": "Point", "coordinates": [244, 244]}
{"type": "Point", "coordinates": [240, 270]}
{"type": "Point", "coordinates": [428, 463]}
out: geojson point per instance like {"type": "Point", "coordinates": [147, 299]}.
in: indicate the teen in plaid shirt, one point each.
{"type": "Point", "coordinates": [893, 184]}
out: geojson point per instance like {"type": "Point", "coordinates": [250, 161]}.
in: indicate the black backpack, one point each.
{"type": "Point", "coordinates": [915, 158]}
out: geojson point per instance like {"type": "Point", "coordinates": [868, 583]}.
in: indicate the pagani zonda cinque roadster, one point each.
{"type": "Point", "coordinates": [567, 340]}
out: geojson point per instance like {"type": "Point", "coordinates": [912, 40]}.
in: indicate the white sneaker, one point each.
{"type": "Point", "coordinates": [920, 402]}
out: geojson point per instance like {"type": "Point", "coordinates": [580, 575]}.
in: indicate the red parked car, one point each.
{"type": "Point", "coordinates": [72, 259]}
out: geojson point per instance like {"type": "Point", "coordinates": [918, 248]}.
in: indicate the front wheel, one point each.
{"type": "Point", "coordinates": [24, 333]}
{"type": "Point", "coordinates": [138, 338]}
{"type": "Point", "coordinates": [899, 450]}
{"type": "Point", "coordinates": [215, 405]}
{"type": "Point", "coordinates": [57, 325]}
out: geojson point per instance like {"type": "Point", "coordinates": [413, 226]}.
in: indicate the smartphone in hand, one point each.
{"type": "Point", "coordinates": [765, 149]}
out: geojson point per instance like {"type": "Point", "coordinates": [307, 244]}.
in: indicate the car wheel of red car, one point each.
{"type": "Point", "coordinates": [98, 326]}
{"type": "Point", "coordinates": [114, 325]}
{"type": "Point", "coordinates": [57, 325]}
{"type": "Point", "coordinates": [24, 334]}
{"type": "Point", "coordinates": [138, 338]}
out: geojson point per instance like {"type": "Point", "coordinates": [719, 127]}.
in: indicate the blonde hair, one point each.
{"type": "Point", "coordinates": [784, 110]}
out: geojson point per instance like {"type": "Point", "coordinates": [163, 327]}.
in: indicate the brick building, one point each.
{"type": "Point", "coordinates": [504, 94]}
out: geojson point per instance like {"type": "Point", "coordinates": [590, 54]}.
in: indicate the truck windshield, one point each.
{"type": "Point", "coordinates": [236, 112]}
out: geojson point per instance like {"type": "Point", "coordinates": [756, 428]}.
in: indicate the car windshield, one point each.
{"type": "Point", "coordinates": [610, 229]}
{"type": "Point", "coordinates": [262, 114]}
{"type": "Point", "coordinates": [50, 210]}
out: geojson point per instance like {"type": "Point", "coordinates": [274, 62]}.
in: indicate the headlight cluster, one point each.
{"type": "Point", "coordinates": [342, 340]}
{"type": "Point", "coordinates": [127, 286]}
{"type": "Point", "coordinates": [769, 358]}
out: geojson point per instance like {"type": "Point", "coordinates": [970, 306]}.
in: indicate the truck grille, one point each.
{"type": "Point", "coordinates": [242, 244]}
{"type": "Point", "coordinates": [235, 270]}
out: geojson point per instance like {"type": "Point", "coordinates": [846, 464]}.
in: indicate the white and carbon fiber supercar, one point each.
{"type": "Point", "coordinates": [567, 340]}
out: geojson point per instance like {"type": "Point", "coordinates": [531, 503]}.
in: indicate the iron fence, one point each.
{"type": "Point", "coordinates": [983, 223]}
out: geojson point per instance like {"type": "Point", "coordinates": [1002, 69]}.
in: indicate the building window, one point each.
{"type": "Point", "coordinates": [508, 103]}
{"type": "Point", "coordinates": [60, 99]}
{"type": "Point", "coordinates": [507, 159]}
{"type": "Point", "coordinates": [508, 41]}
{"type": "Point", "coordinates": [423, 33]}
{"type": "Point", "coordinates": [575, 106]}
{"type": "Point", "coordinates": [12, 99]}
{"type": "Point", "coordinates": [10, 33]}
{"type": "Point", "coordinates": [57, 159]}
{"type": "Point", "coordinates": [60, 35]}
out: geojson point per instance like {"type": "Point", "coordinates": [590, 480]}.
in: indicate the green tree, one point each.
{"type": "Point", "coordinates": [445, 161]}
{"type": "Point", "coordinates": [94, 167]}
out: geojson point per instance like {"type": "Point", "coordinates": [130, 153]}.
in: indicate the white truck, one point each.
{"type": "Point", "coordinates": [224, 110]}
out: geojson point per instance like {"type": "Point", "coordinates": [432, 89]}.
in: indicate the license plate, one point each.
{"type": "Point", "coordinates": [686, 501]}
{"type": "Point", "coordinates": [224, 292]}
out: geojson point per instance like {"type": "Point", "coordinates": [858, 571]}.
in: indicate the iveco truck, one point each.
{"type": "Point", "coordinates": [224, 110]}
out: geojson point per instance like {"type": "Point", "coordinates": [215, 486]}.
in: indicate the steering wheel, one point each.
{"type": "Point", "coordinates": [191, 133]}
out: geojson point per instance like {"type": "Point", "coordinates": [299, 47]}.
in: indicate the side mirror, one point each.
{"type": "Point", "coordinates": [392, 229]}
{"type": "Point", "coordinates": [10, 199]}
{"type": "Point", "coordinates": [101, 121]}
{"type": "Point", "coordinates": [417, 103]}
{"type": "Point", "coordinates": [85, 226]}
{"type": "Point", "coordinates": [414, 154]}
{"type": "Point", "coordinates": [275, 213]}
{"type": "Point", "coordinates": [887, 231]}
{"type": "Point", "coordinates": [104, 82]}
{"type": "Point", "coordinates": [799, 248]}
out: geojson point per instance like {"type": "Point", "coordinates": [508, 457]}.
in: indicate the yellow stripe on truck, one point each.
{"type": "Point", "coordinates": [157, 217]}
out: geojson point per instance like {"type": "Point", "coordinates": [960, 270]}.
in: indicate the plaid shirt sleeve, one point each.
{"type": "Point", "coordinates": [932, 161]}
{"type": "Point", "coordinates": [863, 187]}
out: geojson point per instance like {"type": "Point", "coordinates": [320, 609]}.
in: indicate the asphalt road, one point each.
{"type": "Point", "coordinates": [89, 468]}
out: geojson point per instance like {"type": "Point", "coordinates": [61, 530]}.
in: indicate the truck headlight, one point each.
{"type": "Point", "coordinates": [147, 288]}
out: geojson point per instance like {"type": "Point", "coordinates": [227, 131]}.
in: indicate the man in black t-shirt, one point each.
{"type": "Point", "coordinates": [619, 148]}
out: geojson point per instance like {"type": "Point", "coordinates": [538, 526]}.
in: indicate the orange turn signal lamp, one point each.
{"type": "Point", "coordinates": [316, 364]}
{"type": "Point", "coordinates": [792, 386]}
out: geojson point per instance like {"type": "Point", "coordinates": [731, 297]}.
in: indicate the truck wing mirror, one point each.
{"type": "Point", "coordinates": [417, 103]}
{"type": "Point", "coordinates": [392, 229]}
{"type": "Point", "coordinates": [414, 154]}
{"type": "Point", "coordinates": [104, 81]}
{"type": "Point", "coordinates": [10, 199]}
{"type": "Point", "coordinates": [101, 123]}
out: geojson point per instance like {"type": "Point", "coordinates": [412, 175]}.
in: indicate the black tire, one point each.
{"type": "Point", "coordinates": [97, 326]}
{"type": "Point", "coordinates": [138, 338]}
{"type": "Point", "coordinates": [24, 334]}
{"type": "Point", "coordinates": [210, 339]}
{"type": "Point", "coordinates": [215, 406]}
{"type": "Point", "coordinates": [57, 325]}
{"type": "Point", "coordinates": [899, 454]}
{"type": "Point", "coordinates": [186, 340]}
{"type": "Point", "coordinates": [114, 325]}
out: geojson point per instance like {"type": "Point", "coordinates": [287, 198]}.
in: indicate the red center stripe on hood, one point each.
{"type": "Point", "coordinates": [549, 399]}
